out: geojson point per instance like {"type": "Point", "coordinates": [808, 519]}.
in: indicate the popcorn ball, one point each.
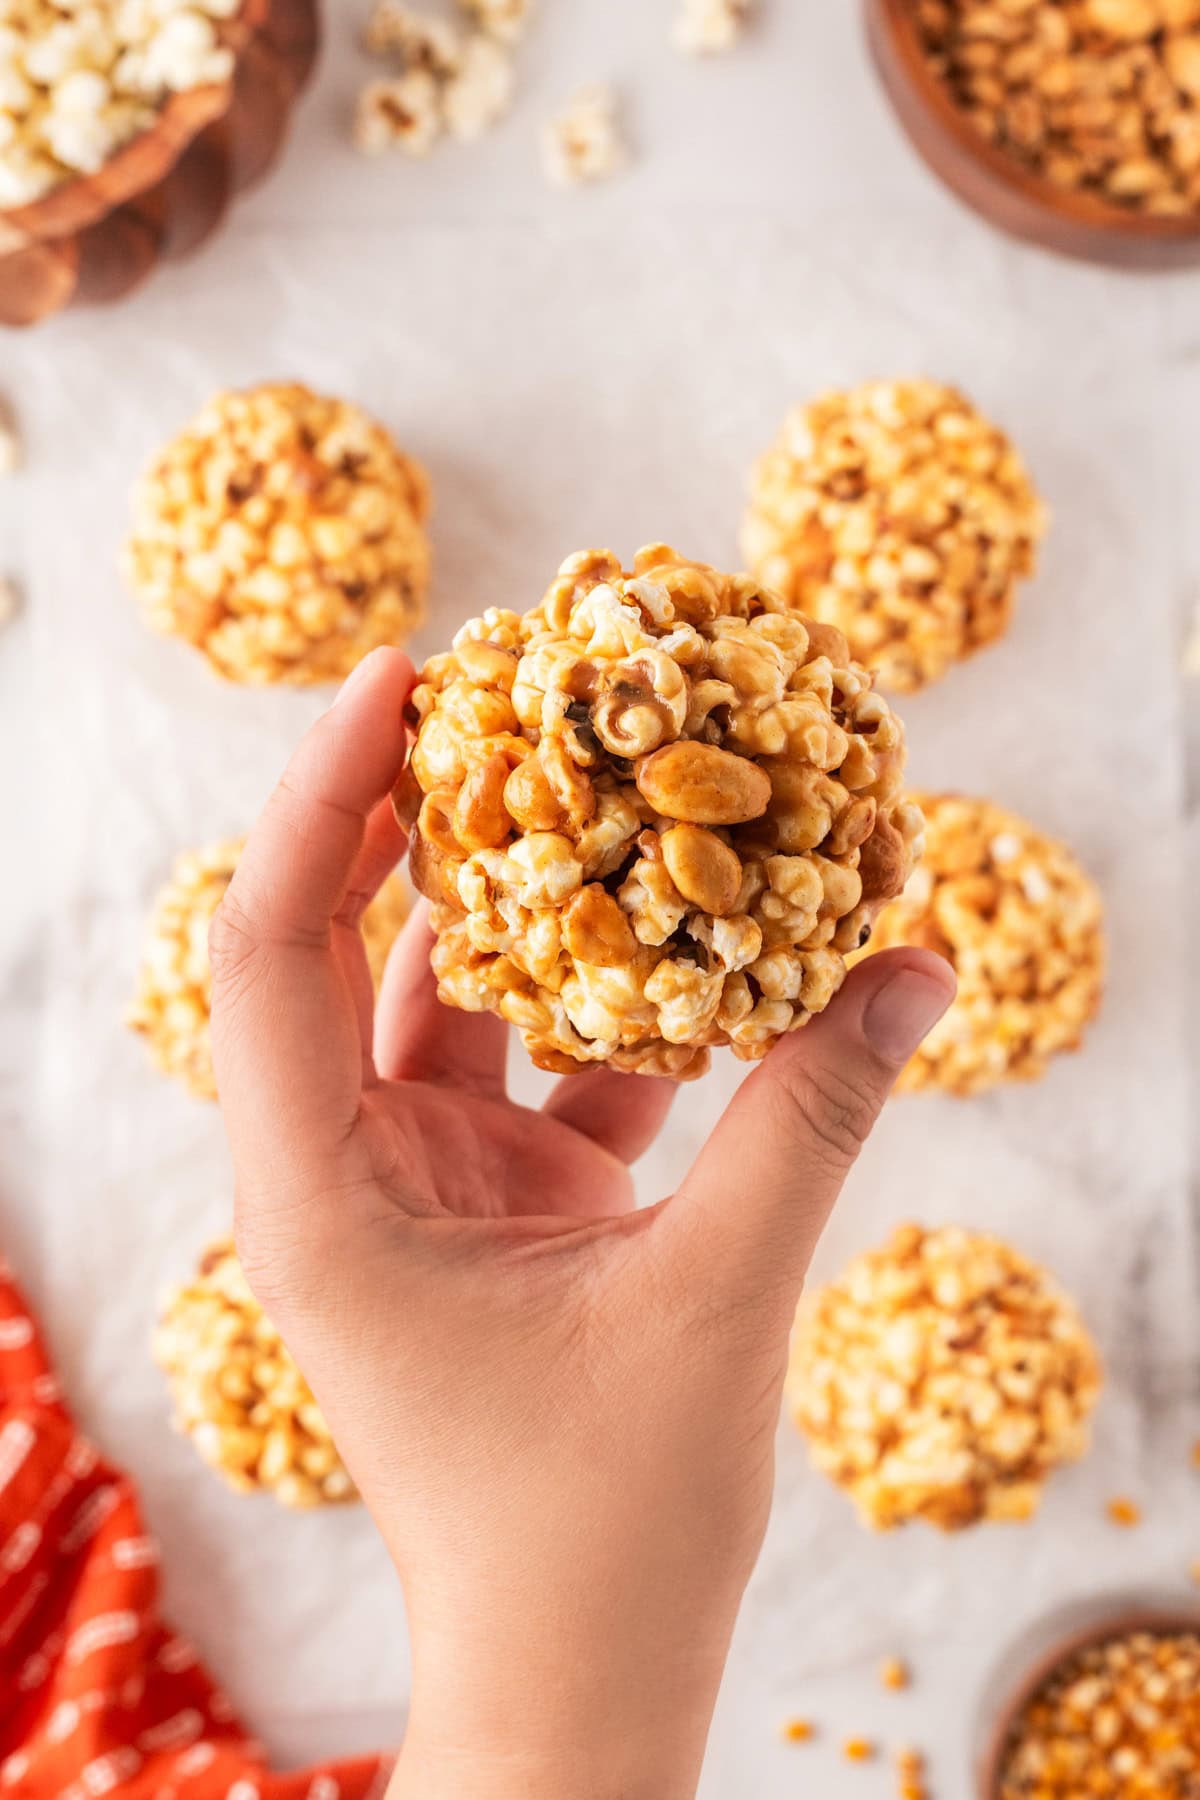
{"type": "Point", "coordinates": [283, 535]}
{"type": "Point", "coordinates": [1022, 925]}
{"type": "Point", "coordinates": [653, 815]}
{"type": "Point", "coordinates": [239, 1396]}
{"type": "Point", "coordinates": [897, 513]}
{"type": "Point", "coordinates": [1120, 1719]}
{"type": "Point", "coordinates": [171, 1006]}
{"type": "Point", "coordinates": [943, 1378]}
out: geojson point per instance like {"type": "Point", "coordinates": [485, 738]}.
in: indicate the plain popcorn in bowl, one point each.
{"type": "Point", "coordinates": [238, 1394]}
{"type": "Point", "coordinates": [943, 1377]}
{"type": "Point", "coordinates": [283, 534]}
{"type": "Point", "coordinates": [898, 513]}
{"type": "Point", "coordinates": [173, 997]}
{"type": "Point", "coordinates": [653, 815]}
{"type": "Point", "coordinates": [1023, 926]}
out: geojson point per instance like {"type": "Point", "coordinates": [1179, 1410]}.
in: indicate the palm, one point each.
{"type": "Point", "coordinates": [504, 1160]}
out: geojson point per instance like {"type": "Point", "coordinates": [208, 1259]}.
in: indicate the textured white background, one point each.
{"type": "Point", "coordinates": [599, 368]}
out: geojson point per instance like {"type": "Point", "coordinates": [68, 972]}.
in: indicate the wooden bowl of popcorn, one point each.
{"type": "Point", "coordinates": [125, 131]}
{"type": "Point", "coordinates": [1076, 127]}
{"type": "Point", "coordinates": [1098, 1698]}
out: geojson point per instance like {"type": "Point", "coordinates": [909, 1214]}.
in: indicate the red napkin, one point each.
{"type": "Point", "coordinates": [97, 1694]}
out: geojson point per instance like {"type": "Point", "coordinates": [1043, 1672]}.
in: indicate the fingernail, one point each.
{"type": "Point", "coordinates": [902, 1012]}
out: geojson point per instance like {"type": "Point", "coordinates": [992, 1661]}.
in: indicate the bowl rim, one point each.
{"type": "Point", "coordinates": [1080, 206]}
{"type": "Point", "coordinates": [138, 165]}
{"type": "Point", "coordinates": [1096, 1621]}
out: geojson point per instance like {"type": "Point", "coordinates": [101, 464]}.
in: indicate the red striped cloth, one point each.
{"type": "Point", "coordinates": [97, 1694]}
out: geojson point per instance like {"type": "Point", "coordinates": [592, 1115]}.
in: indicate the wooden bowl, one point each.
{"type": "Point", "coordinates": [995, 184]}
{"type": "Point", "coordinates": [1035, 1659]}
{"type": "Point", "coordinates": [94, 239]}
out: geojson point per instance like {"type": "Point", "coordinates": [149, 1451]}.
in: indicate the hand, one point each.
{"type": "Point", "coordinates": [560, 1411]}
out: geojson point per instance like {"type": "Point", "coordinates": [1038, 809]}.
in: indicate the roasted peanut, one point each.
{"type": "Point", "coordinates": [702, 785]}
{"type": "Point", "coordinates": [596, 931]}
{"type": "Point", "coordinates": [705, 870]}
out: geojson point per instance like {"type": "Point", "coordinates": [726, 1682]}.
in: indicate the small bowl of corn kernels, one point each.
{"type": "Point", "coordinates": [1103, 1699]}
{"type": "Point", "coordinates": [1074, 124]}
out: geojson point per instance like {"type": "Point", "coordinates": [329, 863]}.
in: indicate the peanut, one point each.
{"type": "Point", "coordinates": [703, 785]}
{"type": "Point", "coordinates": [705, 870]}
{"type": "Point", "coordinates": [596, 931]}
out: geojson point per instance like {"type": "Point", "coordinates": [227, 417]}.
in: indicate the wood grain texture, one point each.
{"type": "Point", "coordinates": [94, 240]}
{"type": "Point", "coordinates": [998, 187]}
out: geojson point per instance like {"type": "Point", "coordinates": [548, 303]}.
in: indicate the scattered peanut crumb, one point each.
{"type": "Point", "coordinates": [1125, 1513]}
{"type": "Point", "coordinates": [858, 1750]}
{"type": "Point", "coordinates": [584, 142]}
{"type": "Point", "coordinates": [10, 601]}
{"type": "Point", "coordinates": [799, 1731]}
{"type": "Point", "coordinates": [895, 1674]}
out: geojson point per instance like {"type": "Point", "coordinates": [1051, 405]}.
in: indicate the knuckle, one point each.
{"type": "Point", "coordinates": [829, 1111]}
{"type": "Point", "coordinates": [233, 942]}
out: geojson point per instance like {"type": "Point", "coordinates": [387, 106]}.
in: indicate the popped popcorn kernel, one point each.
{"type": "Point", "coordinates": [584, 143]}
{"type": "Point", "coordinates": [238, 1394]}
{"type": "Point", "coordinates": [1021, 923]}
{"type": "Point", "coordinates": [283, 534]}
{"type": "Point", "coordinates": [898, 514]}
{"type": "Point", "coordinates": [653, 815]}
{"type": "Point", "coordinates": [173, 997]}
{"type": "Point", "coordinates": [943, 1377]}
{"type": "Point", "coordinates": [707, 27]}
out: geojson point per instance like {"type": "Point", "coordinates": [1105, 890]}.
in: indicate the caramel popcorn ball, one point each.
{"type": "Point", "coordinates": [239, 1396]}
{"type": "Point", "coordinates": [654, 814]}
{"type": "Point", "coordinates": [896, 512]}
{"type": "Point", "coordinates": [1022, 925]}
{"type": "Point", "coordinates": [584, 143]}
{"type": "Point", "coordinates": [170, 1008]}
{"type": "Point", "coordinates": [1100, 96]}
{"type": "Point", "coordinates": [705, 27]}
{"type": "Point", "coordinates": [80, 78]}
{"type": "Point", "coordinates": [1118, 1721]}
{"type": "Point", "coordinates": [283, 535]}
{"type": "Point", "coordinates": [942, 1378]}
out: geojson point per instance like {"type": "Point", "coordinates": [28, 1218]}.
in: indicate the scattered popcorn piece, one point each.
{"type": "Point", "coordinates": [895, 1674]}
{"type": "Point", "coordinates": [1196, 1455]}
{"type": "Point", "coordinates": [799, 1731]}
{"type": "Point", "coordinates": [10, 440]}
{"type": "Point", "coordinates": [481, 91]}
{"type": "Point", "coordinates": [584, 143]}
{"type": "Point", "coordinates": [706, 27]}
{"type": "Point", "coordinates": [1194, 1572]}
{"type": "Point", "coordinates": [942, 1378]}
{"type": "Point", "coordinates": [1191, 666]}
{"type": "Point", "coordinates": [503, 19]}
{"type": "Point", "coordinates": [858, 1749]}
{"type": "Point", "coordinates": [1123, 1512]}
{"type": "Point", "coordinates": [10, 601]}
{"type": "Point", "coordinates": [400, 113]}
{"type": "Point", "coordinates": [416, 40]}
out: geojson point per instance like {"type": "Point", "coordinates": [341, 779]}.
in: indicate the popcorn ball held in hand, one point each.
{"type": "Point", "coordinates": [1022, 925]}
{"type": "Point", "coordinates": [238, 1394]}
{"type": "Point", "coordinates": [652, 815]}
{"type": "Point", "coordinates": [284, 535]}
{"type": "Point", "coordinates": [897, 513]}
{"type": "Point", "coordinates": [943, 1378]}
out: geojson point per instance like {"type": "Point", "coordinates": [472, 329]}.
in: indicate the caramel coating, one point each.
{"type": "Point", "coordinates": [653, 815]}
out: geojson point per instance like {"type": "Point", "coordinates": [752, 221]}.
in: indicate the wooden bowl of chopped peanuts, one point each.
{"type": "Point", "coordinates": [125, 150]}
{"type": "Point", "coordinates": [1074, 126]}
{"type": "Point", "coordinates": [1106, 1690]}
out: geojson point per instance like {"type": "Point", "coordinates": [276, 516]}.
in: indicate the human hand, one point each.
{"type": "Point", "coordinates": [560, 1411]}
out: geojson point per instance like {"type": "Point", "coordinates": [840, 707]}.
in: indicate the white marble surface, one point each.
{"type": "Point", "coordinates": [601, 367]}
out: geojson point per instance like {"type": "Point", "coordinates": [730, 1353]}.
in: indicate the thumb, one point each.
{"type": "Point", "coordinates": [757, 1198]}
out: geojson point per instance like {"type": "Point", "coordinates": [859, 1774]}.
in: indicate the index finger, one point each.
{"type": "Point", "coordinates": [286, 1034]}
